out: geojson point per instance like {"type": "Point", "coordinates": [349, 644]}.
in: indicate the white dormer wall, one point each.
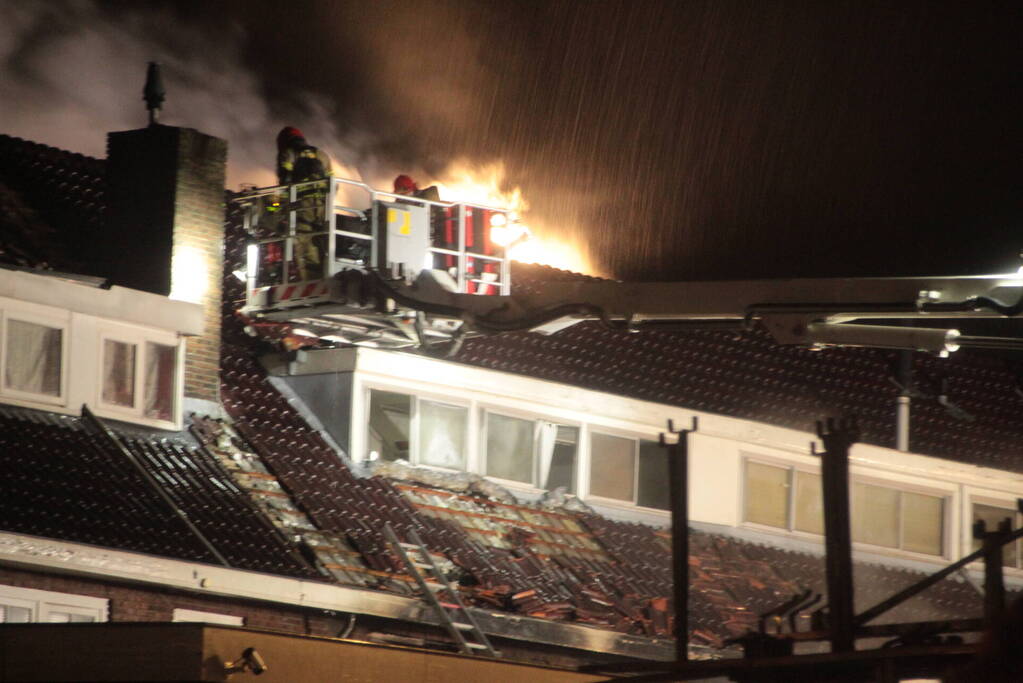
{"type": "Point", "coordinates": [719, 450]}
{"type": "Point", "coordinates": [87, 316]}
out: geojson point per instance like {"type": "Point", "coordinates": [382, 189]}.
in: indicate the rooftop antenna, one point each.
{"type": "Point", "coordinates": [153, 93]}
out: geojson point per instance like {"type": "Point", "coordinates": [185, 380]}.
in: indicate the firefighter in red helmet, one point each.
{"type": "Point", "coordinates": [404, 185]}
{"type": "Point", "coordinates": [300, 162]}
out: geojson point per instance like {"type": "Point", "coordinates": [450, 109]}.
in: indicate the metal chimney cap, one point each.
{"type": "Point", "coordinates": [153, 92]}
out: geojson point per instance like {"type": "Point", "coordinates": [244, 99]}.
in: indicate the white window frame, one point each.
{"type": "Point", "coordinates": [635, 437]}
{"type": "Point", "coordinates": [475, 456]}
{"type": "Point", "coordinates": [193, 615]}
{"type": "Point", "coordinates": [43, 603]}
{"type": "Point", "coordinates": [857, 475]}
{"type": "Point", "coordinates": [53, 321]}
{"type": "Point", "coordinates": [790, 507]}
{"type": "Point", "coordinates": [139, 337]}
{"type": "Point", "coordinates": [947, 503]}
{"type": "Point", "coordinates": [533, 485]}
{"type": "Point", "coordinates": [1000, 499]}
{"type": "Point", "coordinates": [414, 416]}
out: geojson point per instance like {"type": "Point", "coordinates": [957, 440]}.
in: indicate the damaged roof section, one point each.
{"type": "Point", "coordinates": [552, 563]}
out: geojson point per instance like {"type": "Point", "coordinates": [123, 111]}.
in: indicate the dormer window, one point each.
{"type": "Point", "coordinates": [530, 451]}
{"type": "Point", "coordinates": [424, 432]}
{"type": "Point", "coordinates": [33, 357]}
{"type": "Point", "coordinates": [138, 374]}
{"type": "Point", "coordinates": [65, 344]}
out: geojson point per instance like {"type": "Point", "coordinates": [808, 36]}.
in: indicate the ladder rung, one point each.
{"type": "Point", "coordinates": [422, 566]}
{"type": "Point", "coordinates": [477, 646]}
{"type": "Point", "coordinates": [449, 605]}
{"type": "Point", "coordinates": [410, 546]}
{"type": "Point", "coordinates": [434, 586]}
{"type": "Point", "coordinates": [463, 627]}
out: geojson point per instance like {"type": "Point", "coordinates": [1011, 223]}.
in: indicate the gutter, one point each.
{"type": "Point", "coordinates": [36, 553]}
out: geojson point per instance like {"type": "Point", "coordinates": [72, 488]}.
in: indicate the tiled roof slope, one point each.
{"type": "Point", "coordinates": [45, 191]}
{"type": "Point", "coordinates": [66, 481]}
{"type": "Point", "coordinates": [748, 376]}
{"type": "Point", "coordinates": [551, 564]}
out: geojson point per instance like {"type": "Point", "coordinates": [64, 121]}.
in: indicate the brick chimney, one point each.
{"type": "Point", "coordinates": [165, 223]}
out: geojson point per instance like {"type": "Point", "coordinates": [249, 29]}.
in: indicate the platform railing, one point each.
{"type": "Point", "coordinates": [330, 202]}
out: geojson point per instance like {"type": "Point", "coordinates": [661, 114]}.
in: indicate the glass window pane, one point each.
{"type": "Point", "coordinates": [992, 515]}
{"type": "Point", "coordinates": [33, 358]}
{"type": "Point", "coordinates": [612, 466]}
{"type": "Point", "coordinates": [442, 434]}
{"type": "Point", "coordinates": [389, 418]}
{"type": "Point", "coordinates": [82, 619]}
{"type": "Point", "coordinates": [809, 505]}
{"type": "Point", "coordinates": [510, 448]}
{"type": "Point", "coordinates": [161, 372]}
{"type": "Point", "coordinates": [767, 494]}
{"type": "Point", "coordinates": [922, 523]}
{"type": "Point", "coordinates": [118, 373]}
{"type": "Point", "coordinates": [653, 476]}
{"type": "Point", "coordinates": [55, 617]}
{"type": "Point", "coordinates": [9, 614]}
{"type": "Point", "coordinates": [875, 515]}
{"type": "Point", "coordinates": [561, 466]}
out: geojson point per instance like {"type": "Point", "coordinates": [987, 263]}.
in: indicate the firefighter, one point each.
{"type": "Point", "coordinates": [297, 160]}
{"type": "Point", "coordinates": [404, 185]}
{"type": "Point", "coordinates": [300, 162]}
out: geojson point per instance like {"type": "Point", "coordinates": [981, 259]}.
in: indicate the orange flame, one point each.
{"type": "Point", "coordinates": [463, 181]}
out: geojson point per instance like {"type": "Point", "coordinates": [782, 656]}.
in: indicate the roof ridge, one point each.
{"type": "Point", "coordinates": [42, 147]}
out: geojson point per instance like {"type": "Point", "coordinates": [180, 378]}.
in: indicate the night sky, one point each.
{"type": "Point", "coordinates": [678, 140]}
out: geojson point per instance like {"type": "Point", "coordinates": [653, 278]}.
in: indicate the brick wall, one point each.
{"type": "Point", "coordinates": [166, 229]}
{"type": "Point", "coordinates": [199, 227]}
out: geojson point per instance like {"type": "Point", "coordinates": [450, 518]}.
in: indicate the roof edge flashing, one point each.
{"type": "Point", "coordinates": [34, 552]}
{"type": "Point", "coordinates": [117, 303]}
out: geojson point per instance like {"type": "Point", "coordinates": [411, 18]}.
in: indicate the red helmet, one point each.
{"type": "Point", "coordinates": [404, 185]}
{"type": "Point", "coordinates": [287, 134]}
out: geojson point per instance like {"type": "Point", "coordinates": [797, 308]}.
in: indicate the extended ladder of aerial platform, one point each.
{"type": "Point", "coordinates": [407, 271]}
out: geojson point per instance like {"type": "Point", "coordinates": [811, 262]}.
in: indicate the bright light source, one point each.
{"type": "Point", "coordinates": [240, 274]}
{"type": "Point", "coordinates": [498, 220]}
{"type": "Point", "coordinates": [189, 275]}
{"type": "Point", "coordinates": [500, 235]}
{"type": "Point", "coordinates": [952, 341]}
{"type": "Point", "coordinates": [251, 260]}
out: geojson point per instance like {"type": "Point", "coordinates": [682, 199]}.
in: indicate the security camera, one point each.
{"type": "Point", "coordinates": [249, 661]}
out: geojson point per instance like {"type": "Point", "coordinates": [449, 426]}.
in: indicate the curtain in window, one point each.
{"type": "Point", "coordinates": [118, 373]}
{"type": "Point", "coordinates": [159, 385]}
{"type": "Point", "coordinates": [547, 437]}
{"type": "Point", "coordinates": [612, 467]}
{"type": "Point", "coordinates": [442, 435]}
{"type": "Point", "coordinates": [510, 447]}
{"type": "Point", "coordinates": [33, 358]}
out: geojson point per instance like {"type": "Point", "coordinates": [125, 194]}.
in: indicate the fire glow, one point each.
{"type": "Point", "coordinates": [482, 184]}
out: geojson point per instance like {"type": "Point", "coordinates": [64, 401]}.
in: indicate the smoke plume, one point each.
{"type": "Point", "coordinates": [73, 71]}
